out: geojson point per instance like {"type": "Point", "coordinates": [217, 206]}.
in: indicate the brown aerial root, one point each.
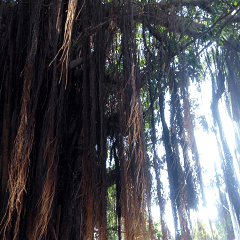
{"type": "Point", "coordinates": [47, 197]}
{"type": "Point", "coordinates": [19, 164]}
{"type": "Point", "coordinates": [72, 4]}
{"type": "Point", "coordinates": [135, 199]}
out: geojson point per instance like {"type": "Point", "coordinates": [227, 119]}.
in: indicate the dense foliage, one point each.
{"type": "Point", "coordinates": [84, 87]}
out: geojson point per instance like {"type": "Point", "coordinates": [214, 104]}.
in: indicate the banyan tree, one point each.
{"type": "Point", "coordinates": [84, 86]}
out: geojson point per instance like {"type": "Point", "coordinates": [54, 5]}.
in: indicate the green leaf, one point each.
{"type": "Point", "coordinates": [235, 3]}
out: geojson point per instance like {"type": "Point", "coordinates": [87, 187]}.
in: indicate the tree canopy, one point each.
{"type": "Point", "coordinates": [84, 87]}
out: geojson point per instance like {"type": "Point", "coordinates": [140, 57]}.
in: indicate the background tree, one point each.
{"type": "Point", "coordinates": [83, 85]}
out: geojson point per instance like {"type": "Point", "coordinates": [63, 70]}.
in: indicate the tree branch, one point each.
{"type": "Point", "coordinates": [75, 63]}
